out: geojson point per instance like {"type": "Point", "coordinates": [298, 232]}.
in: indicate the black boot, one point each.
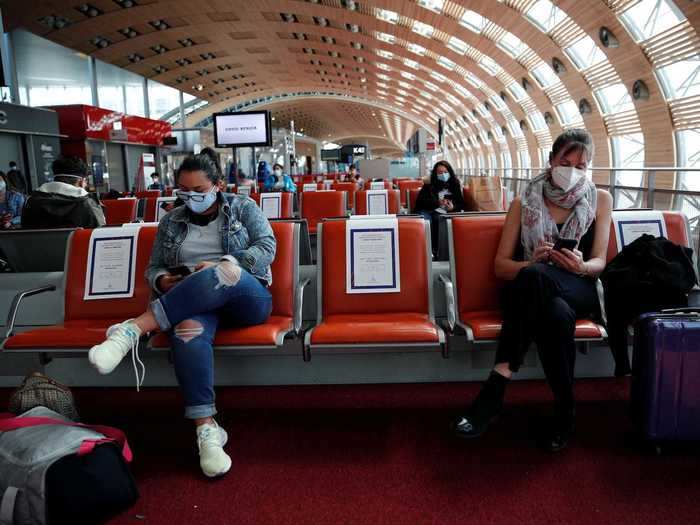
{"type": "Point", "coordinates": [561, 429]}
{"type": "Point", "coordinates": [484, 409]}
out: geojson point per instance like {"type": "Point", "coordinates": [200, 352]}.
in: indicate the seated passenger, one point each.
{"type": "Point", "coordinates": [155, 183]}
{"type": "Point", "coordinates": [64, 203]}
{"type": "Point", "coordinates": [228, 286]}
{"type": "Point", "coordinates": [547, 289]}
{"type": "Point", "coordinates": [11, 203]}
{"type": "Point", "coordinates": [278, 181]}
{"type": "Point", "coordinates": [354, 176]}
{"type": "Point", "coordinates": [442, 194]}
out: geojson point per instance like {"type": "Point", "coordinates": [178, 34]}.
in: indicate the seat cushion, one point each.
{"type": "Point", "coordinates": [375, 329]}
{"type": "Point", "coordinates": [486, 326]}
{"type": "Point", "coordinates": [70, 335]}
{"type": "Point", "coordinates": [265, 334]}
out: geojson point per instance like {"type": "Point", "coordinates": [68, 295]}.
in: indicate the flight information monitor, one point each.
{"type": "Point", "coordinates": [246, 128]}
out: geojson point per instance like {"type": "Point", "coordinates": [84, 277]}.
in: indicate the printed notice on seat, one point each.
{"type": "Point", "coordinates": [271, 205]}
{"type": "Point", "coordinates": [376, 185]}
{"type": "Point", "coordinates": [111, 267]}
{"type": "Point", "coordinates": [310, 186]}
{"type": "Point", "coordinates": [630, 225]}
{"type": "Point", "coordinates": [163, 206]}
{"type": "Point", "coordinates": [372, 245]}
{"type": "Point", "coordinates": [377, 202]}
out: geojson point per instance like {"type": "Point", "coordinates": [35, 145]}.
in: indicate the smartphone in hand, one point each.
{"type": "Point", "coordinates": [180, 270]}
{"type": "Point", "coordinates": [561, 243]}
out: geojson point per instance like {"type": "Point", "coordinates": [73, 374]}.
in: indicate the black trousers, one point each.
{"type": "Point", "coordinates": [542, 304]}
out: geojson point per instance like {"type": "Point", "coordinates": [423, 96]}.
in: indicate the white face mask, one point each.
{"type": "Point", "coordinates": [3, 186]}
{"type": "Point", "coordinates": [566, 177]}
{"type": "Point", "coordinates": [444, 177]}
{"type": "Point", "coordinates": [277, 172]}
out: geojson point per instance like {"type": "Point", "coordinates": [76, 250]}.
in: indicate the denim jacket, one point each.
{"type": "Point", "coordinates": [13, 205]}
{"type": "Point", "coordinates": [246, 236]}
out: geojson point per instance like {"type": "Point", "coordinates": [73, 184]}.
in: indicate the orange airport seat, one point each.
{"type": "Point", "coordinates": [286, 300]}
{"type": "Point", "coordinates": [349, 187]}
{"type": "Point", "coordinates": [412, 199]}
{"type": "Point", "coordinates": [85, 322]}
{"type": "Point", "coordinates": [381, 320]}
{"type": "Point", "coordinates": [145, 194]}
{"type": "Point", "coordinates": [361, 202]}
{"type": "Point", "coordinates": [287, 203]}
{"type": "Point", "coordinates": [475, 288]}
{"type": "Point", "coordinates": [408, 184]}
{"type": "Point", "coordinates": [318, 205]}
{"type": "Point", "coordinates": [151, 210]}
{"type": "Point", "coordinates": [120, 211]}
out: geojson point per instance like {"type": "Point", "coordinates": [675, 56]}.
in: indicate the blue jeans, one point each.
{"type": "Point", "coordinates": [433, 218]}
{"type": "Point", "coordinates": [200, 302]}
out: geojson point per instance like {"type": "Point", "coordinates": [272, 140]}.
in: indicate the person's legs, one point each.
{"type": "Point", "coordinates": [433, 219]}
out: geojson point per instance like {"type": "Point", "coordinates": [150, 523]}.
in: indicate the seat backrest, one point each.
{"type": "Point", "coordinates": [412, 199]}
{"type": "Point", "coordinates": [319, 186]}
{"type": "Point", "coordinates": [350, 188]}
{"type": "Point", "coordinates": [285, 267]}
{"type": "Point", "coordinates": [120, 211]}
{"type": "Point", "coordinates": [473, 244]}
{"type": "Point", "coordinates": [318, 205]}
{"type": "Point", "coordinates": [414, 296]}
{"type": "Point", "coordinates": [307, 179]}
{"type": "Point", "coordinates": [150, 213]}
{"type": "Point", "coordinates": [76, 269]}
{"type": "Point", "coordinates": [676, 228]}
{"type": "Point", "coordinates": [361, 202]}
{"type": "Point", "coordinates": [287, 204]}
{"type": "Point", "coordinates": [405, 185]}
{"type": "Point", "coordinates": [41, 250]}
{"type": "Point", "coordinates": [145, 194]}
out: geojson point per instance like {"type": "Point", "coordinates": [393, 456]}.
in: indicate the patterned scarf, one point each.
{"type": "Point", "coordinates": [536, 223]}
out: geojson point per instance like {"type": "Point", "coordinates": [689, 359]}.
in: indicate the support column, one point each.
{"type": "Point", "coordinates": [182, 110]}
{"type": "Point", "coordinates": [92, 68]}
{"type": "Point", "coordinates": [146, 105]}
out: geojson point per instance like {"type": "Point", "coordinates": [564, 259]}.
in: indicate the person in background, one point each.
{"type": "Point", "coordinates": [441, 195]}
{"type": "Point", "coordinates": [15, 179]}
{"type": "Point", "coordinates": [64, 203]}
{"type": "Point", "coordinates": [155, 182]}
{"type": "Point", "coordinates": [548, 286]}
{"type": "Point", "coordinates": [11, 203]}
{"type": "Point", "coordinates": [210, 267]}
{"type": "Point", "coordinates": [354, 176]}
{"type": "Point", "coordinates": [263, 173]}
{"type": "Point", "coordinates": [278, 181]}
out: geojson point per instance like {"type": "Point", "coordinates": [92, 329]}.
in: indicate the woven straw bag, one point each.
{"type": "Point", "coordinates": [40, 390]}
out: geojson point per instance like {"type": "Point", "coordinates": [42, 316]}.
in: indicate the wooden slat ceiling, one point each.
{"type": "Point", "coordinates": [229, 51]}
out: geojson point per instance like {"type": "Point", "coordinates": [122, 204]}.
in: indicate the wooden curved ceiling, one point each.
{"type": "Point", "coordinates": [236, 51]}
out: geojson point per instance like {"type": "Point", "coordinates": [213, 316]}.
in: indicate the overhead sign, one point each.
{"type": "Point", "coordinates": [247, 128]}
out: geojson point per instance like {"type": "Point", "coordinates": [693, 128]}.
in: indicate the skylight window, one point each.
{"type": "Point", "coordinates": [681, 79]}
{"type": "Point", "coordinates": [462, 91]}
{"type": "Point", "coordinates": [452, 99]}
{"type": "Point", "coordinates": [614, 99]}
{"type": "Point", "coordinates": [388, 16]}
{"type": "Point", "coordinates": [411, 63]}
{"type": "Point", "coordinates": [511, 44]}
{"type": "Point", "coordinates": [488, 65]}
{"type": "Point", "coordinates": [446, 63]}
{"type": "Point", "coordinates": [545, 15]}
{"type": "Point", "coordinates": [384, 77]}
{"type": "Point", "coordinates": [516, 91]}
{"type": "Point", "coordinates": [437, 76]}
{"type": "Point", "coordinates": [497, 102]}
{"type": "Point", "coordinates": [568, 113]}
{"type": "Point", "coordinates": [431, 86]}
{"type": "Point", "coordinates": [386, 37]}
{"type": "Point", "coordinates": [385, 54]}
{"type": "Point", "coordinates": [422, 29]}
{"type": "Point", "coordinates": [648, 18]}
{"type": "Point", "coordinates": [473, 79]}
{"type": "Point", "coordinates": [415, 48]}
{"type": "Point", "coordinates": [585, 53]}
{"type": "Point", "coordinates": [536, 121]}
{"type": "Point", "coordinates": [433, 5]}
{"type": "Point", "coordinates": [446, 107]}
{"type": "Point", "coordinates": [481, 110]}
{"type": "Point", "coordinates": [473, 21]}
{"type": "Point", "coordinates": [409, 76]}
{"type": "Point", "coordinates": [402, 92]}
{"type": "Point", "coordinates": [457, 45]}
{"type": "Point", "coordinates": [383, 66]}
{"type": "Point", "coordinates": [545, 75]}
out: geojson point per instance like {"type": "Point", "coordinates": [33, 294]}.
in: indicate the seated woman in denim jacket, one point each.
{"type": "Point", "coordinates": [547, 286]}
{"type": "Point", "coordinates": [278, 181]}
{"type": "Point", "coordinates": [228, 245]}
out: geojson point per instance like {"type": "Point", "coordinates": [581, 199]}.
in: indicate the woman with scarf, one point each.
{"type": "Point", "coordinates": [547, 288]}
{"type": "Point", "coordinates": [442, 195]}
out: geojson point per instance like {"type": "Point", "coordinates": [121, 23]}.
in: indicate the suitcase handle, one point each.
{"type": "Point", "coordinates": [684, 310]}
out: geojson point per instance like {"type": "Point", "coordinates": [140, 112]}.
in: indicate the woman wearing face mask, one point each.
{"type": "Point", "coordinates": [547, 289]}
{"type": "Point", "coordinates": [228, 245]}
{"type": "Point", "coordinates": [278, 181]}
{"type": "Point", "coordinates": [442, 195]}
{"type": "Point", "coordinates": [11, 204]}
{"type": "Point", "coordinates": [354, 176]}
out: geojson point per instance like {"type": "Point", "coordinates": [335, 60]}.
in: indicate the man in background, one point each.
{"type": "Point", "coordinates": [15, 179]}
{"type": "Point", "coordinates": [155, 182]}
{"type": "Point", "coordinates": [64, 202]}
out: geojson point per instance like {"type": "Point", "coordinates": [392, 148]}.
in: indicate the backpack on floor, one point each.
{"type": "Point", "coordinates": [55, 471]}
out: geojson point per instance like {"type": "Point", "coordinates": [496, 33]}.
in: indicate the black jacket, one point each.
{"type": "Point", "coordinates": [648, 275]}
{"type": "Point", "coordinates": [55, 210]}
{"type": "Point", "coordinates": [428, 197]}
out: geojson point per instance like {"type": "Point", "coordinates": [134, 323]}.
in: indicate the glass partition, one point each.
{"type": "Point", "coordinates": [119, 89]}
{"type": "Point", "coordinates": [162, 99]}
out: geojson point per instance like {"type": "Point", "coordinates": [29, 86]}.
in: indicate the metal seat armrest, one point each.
{"type": "Point", "coordinates": [449, 301]}
{"type": "Point", "coordinates": [299, 305]}
{"type": "Point", "coordinates": [14, 307]}
{"type": "Point", "coordinates": [694, 296]}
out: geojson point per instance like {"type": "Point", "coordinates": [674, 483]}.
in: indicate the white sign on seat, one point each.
{"type": "Point", "coordinates": [271, 205]}
{"type": "Point", "coordinates": [372, 248]}
{"type": "Point", "coordinates": [377, 202]}
{"type": "Point", "coordinates": [111, 267]}
{"type": "Point", "coordinates": [632, 224]}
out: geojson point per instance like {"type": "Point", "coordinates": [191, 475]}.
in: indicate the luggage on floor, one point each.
{"type": "Point", "coordinates": [56, 471]}
{"type": "Point", "coordinates": [666, 375]}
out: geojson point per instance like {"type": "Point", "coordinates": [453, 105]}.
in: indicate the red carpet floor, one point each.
{"type": "Point", "coordinates": [381, 455]}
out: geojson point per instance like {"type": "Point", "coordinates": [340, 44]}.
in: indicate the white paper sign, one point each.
{"type": "Point", "coordinates": [111, 267]}
{"type": "Point", "coordinates": [271, 205]}
{"type": "Point", "coordinates": [630, 225]}
{"type": "Point", "coordinates": [244, 190]}
{"type": "Point", "coordinates": [328, 184]}
{"type": "Point", "coordinates": [377, 202]}
{"type": "Point", "coordinates": [160, 202]}
{"type": "Point", "coordinates": [372, 247]}
{"type": "Point", "coordinates": [376, 185]}
{"type": "Point", "coordinates": [311, 186]}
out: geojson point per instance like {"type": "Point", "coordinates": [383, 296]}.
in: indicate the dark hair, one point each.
{"type": "Point", "coordinates": [277, 165]}
{"type": "Point", "coordinates": [352, 167]}
{"type": "Point", "coordinates": [201, 162]}
{"type": "Point", "coordinates": [214, 158]}
{"type": "Point", "coordinates": [573, 140]}
{"type": "Point", "coordinates": [69, 166]}
{"type": "Point", "coordinates": [155, 174]}
{"type": "Point", "coordinates": [13, 164]}
{"type": "Point", "coordinates": [453, 183]}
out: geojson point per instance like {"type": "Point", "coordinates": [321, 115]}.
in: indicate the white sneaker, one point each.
{"type": "Point", "coordinates": [211, 439]}
{"type": "Point", "coordinates": [121, 338]}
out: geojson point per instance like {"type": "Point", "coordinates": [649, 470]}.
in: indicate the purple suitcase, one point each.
{"type": "Point", "coordinates": [666, 375]}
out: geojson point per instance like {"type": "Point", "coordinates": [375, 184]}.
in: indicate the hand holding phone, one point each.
{"type": "Point", "coordinates": [561, 243]}
{"type": "Point", "coordinates": [181, 270]}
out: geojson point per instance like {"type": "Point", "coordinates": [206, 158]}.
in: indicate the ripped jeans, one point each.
{"type": "Point", "coordinates": [190, 313]}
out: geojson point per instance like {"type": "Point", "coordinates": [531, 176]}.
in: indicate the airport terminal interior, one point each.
{"type": "Point", "coordinates": [394, 261]}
